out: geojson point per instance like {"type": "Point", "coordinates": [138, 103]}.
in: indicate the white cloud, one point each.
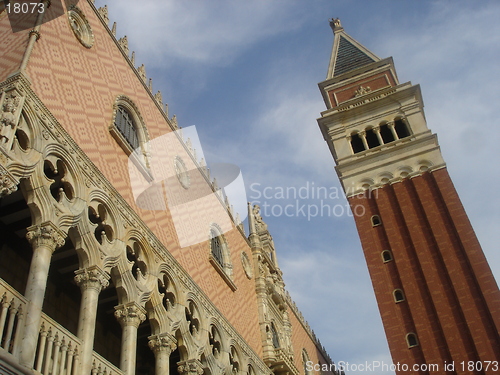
{"type": "Point", "coordinates": [205, 32]}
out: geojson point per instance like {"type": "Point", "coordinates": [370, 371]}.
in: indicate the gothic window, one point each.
{"type": "Point", "coordinates": [386, 133]}
{"type": "Point", "coordinates": [411, 340]}
{"type": "Point", "coordinates": [356, 143]}
{"type": "Point", "coordinates": [372, 139]}
{"type": "Point", "coordinates": [129, 131]}
{"type": "Point", "coordinates": [216, 247]}
{"type": "Point", "coordinates": [376, 221]}
{"type": "Point", "coordinates": [125, 124]}
{"type": "Point", "coordinates": [401, 128]}
{"type": "Point", "coordinates": [386, 256]}
{"type": "Point", "coordinates": [398, 296]}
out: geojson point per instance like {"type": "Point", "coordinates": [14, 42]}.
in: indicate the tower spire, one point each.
{"type": "Point", "coordinates": [347, 53]}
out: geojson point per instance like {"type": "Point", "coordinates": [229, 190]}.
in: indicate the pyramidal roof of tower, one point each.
{"type": "Point", "coordinates": [347, 53]}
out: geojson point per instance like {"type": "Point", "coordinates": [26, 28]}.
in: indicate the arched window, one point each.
{"type": "Point", "coordinates": [128, 129]}
{"type": "Point", "coordinates": [386, 133]}
{"type": "Point", "coordinates": [376, 221]}
{"type": "Point", "coordinates": [386, 256]}
{"type": "Point", "coordinates": [372, 139]}
{"type": "Point", "coordinates": [125, 124]}
{"type": "Point", "coordinates": [411, 340]}
{"type": "Point", "coordinates": [356, 143]}
{"type": "Point", "coordinates": [401, 128]}
{"type": "Point", "coordinates": [398, 296]}
{"type": "Point", "coordinates": [216, 247]}
{"type": "Point", "coordinates": [220, 256]}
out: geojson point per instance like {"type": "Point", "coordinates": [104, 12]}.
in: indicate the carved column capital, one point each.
{"type": "Point", "coordinates": [190, 367]}
{"type": "Point", "coordinates": [8, 183]}
{"type": "Point", "coordinates": [130, 314]}
{"type": "Point", "coordinates": [92, 277]}
{"type": "Point", "coordinates": [47, 235]}
{"type": "Point", "coordinates": [164, 342]}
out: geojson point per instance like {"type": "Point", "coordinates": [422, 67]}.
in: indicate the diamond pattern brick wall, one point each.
{"type": "Point", "coordinates": [437, 261]}
{"type": "Point", "coordinates": [79, 86]}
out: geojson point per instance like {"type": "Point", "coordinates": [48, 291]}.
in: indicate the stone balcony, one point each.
{"type": "Point", "coordinates": [57, 352]}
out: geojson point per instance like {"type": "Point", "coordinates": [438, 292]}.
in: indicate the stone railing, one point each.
{"type": "Point", "coordinates": [57, 351]}
{"type": "Point", "coordinates": [12, 305]}
{"type": "Point", "coordinates": [101, 366]}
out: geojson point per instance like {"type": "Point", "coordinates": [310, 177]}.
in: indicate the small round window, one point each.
{"type": "Point", "coordinates": [182, 172]}
{"type": "Point", "coordinates": [80, 26]}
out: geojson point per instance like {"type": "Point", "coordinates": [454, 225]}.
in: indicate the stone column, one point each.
{"type": "Point", "coordinates": [91, 281]}
{"type": "Point", "coordinates": [362, 135]}
{"type": "Point", "coordinates": [379, 136]}
{"type": "Point", "coordinates": [130, 316]}
{"type": "Point", "coordinates": [190, 367]}
{"type": "Point", "coordinates": [45, 239]}
{"type": "Point", "coordinates": [162, 346]}
{"type": "Point", "coordinates": [393, 130]}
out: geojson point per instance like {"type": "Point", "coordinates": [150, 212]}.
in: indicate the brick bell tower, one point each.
{"type": "Point", "coordinates": [438, 299]}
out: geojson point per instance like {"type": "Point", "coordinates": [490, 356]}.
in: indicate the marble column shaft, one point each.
{"type": "Point", "coordinates": [44, 239]}
{"type": "Point", "coordinates": [130, 316]}
{"type": "Point", "coordinates": [91, 281]}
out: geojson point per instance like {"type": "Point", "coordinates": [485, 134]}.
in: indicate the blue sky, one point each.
{"type": "Point", "coordinates": [246, 73]}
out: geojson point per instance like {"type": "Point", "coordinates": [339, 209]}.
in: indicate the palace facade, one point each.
{"type": "Point", "coordinates": [97, 277]}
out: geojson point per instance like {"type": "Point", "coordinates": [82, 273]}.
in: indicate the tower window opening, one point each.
{"type": "Point", "coordinates": [376, 221]}
{"type": "Point", "coordinates": [386, 133]}
{"type": "Point", "coordinates": [357, 143]}
{"type": "Point", "coordinates": [398, 296]}
{"type": "Point", "coordinates": [411, 340]}
{"type": "Point", "coordinates": [386, 256]}
{"type": "Point", "coordinates": [401, 129]}
{"type": "Point", "coordinates": [372, 139]}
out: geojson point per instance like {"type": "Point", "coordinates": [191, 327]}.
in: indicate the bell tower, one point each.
{"type": "Point", "coordinates": [439, 302]}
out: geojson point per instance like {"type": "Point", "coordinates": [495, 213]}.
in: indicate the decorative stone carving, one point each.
{"type": "Point", "coordinates": [259, 222]}
{"type": "Point", "coordinates": [80, 26]}
{"type": "Point", "coordinates": [92, 277]}
{"type": "Point", "coordinates": [335, 23]}
{"type": "Point", "coordinates": [123, 42]}
{"type": "Point", "coordinates": [162, 343]}
{"type": "Point", "coordinates": [362, 91]}
{"type": "Point", "coordinates": [130, 314]}
{"type": "Point", "coordinates": [174, 122]}
{"type": "Point", "coordinates": [158, 98]}
{"type": "Point", "coordinates": [9, 118]}
{"type": "Point", "coordinates": [46, 234]}
{"type": "Point", "coordinates": [247, 265]}
{"type": "Point", "coordinates": [103, 11]}
{"type": "Point", "coordinates": [8, 184]}
{"type": "Point", "coordinates": [113, 29]}
{"type": "Point", "coordinates": [142, 72]}
{"type": "Point", "coordinates": [190, 367]}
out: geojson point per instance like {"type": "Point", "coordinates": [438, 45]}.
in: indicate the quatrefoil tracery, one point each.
{"type": "Point", "coordinates": [166, 291]}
